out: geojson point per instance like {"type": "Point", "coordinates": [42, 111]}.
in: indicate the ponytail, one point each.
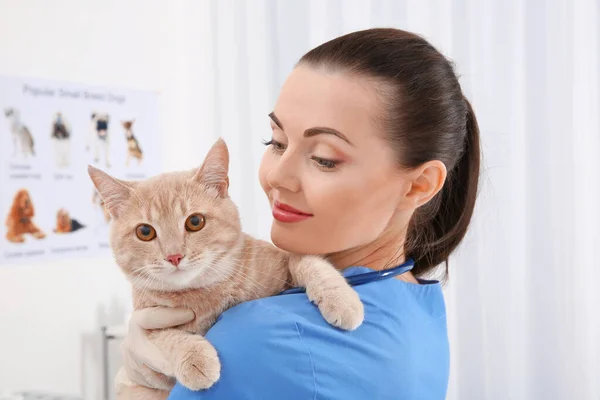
{"type": "Point", "coordinates": [437, 228]}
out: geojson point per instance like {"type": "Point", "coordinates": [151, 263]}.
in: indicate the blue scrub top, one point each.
{"type": "Point", "coordinates": [281, 348]}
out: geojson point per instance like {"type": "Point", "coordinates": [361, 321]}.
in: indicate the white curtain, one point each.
{"type": "Point", "coordinates": [523, 303]}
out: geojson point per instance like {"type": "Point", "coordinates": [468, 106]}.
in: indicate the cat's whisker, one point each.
{"type": "Point", "coordinates": [146, 281]}
{"type": "Point", "coordinates": [255, 294]}
{"type": "Point", "coordinates": [227, 278]}
{"type": "Point", "coordinates": [246, 275]}
{"type": "Point", "coordinates": [240, 270]}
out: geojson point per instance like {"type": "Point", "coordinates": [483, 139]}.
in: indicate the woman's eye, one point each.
{"type": "Point", "coordinates": [324, 163]}
{"type": "Point", "coordinates": [276, 146]}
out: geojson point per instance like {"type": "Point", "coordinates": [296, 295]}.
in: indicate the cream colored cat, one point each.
{"type": "Point", "coordinates": [178, 239]}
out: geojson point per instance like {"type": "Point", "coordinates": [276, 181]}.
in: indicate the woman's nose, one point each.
{"type": "Point", "coordinates": [284, 175]}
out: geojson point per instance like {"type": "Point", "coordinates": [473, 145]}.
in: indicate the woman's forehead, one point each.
{"type": "Point", "coordinates": [315, 97]}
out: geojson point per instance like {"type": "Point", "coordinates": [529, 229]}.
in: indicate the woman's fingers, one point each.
{"type": "Point", "coordinates": [162, 317]}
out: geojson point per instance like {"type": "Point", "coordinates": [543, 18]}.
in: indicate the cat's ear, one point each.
{"type": "Point", "coordinates": [112, 191]}
{"type": "Point", "coordinates": [215, 169]}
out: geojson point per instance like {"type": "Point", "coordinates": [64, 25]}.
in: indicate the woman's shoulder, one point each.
{"type": "Point", "coordinates": [282, 344]}
{"type": "Point", "coordinates": [262, 356]}
{"type": "Point", "coordinates": [402, 306]}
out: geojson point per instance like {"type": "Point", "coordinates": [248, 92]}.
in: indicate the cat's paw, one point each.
{"type": "Point", "coordinates": [340, 306]}
{"type": "Point", "coordinates": [199, 367]}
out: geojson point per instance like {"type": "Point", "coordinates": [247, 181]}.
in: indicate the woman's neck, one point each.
{"type": "Point", "coordinates": [385, 252]}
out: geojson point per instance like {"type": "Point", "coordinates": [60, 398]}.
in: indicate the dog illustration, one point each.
{"type": "Point", "coordinates": [133, 146]}
{"type": "Point", "coordinates": [99, 137]}
{"type": "Point", "coordinates": [97, 200]}
{"type": "Point", "coordinates": [21, 135]}
{"type": "Point", "coordinates": [66, 224]}
{"type": "Point", "coordinates": [19, 220]}
{"type": "Point", "coordinates": [61, 135]}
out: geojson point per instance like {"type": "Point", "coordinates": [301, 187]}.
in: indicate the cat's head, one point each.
{"type": "Point", "coordinates": [177, 230]}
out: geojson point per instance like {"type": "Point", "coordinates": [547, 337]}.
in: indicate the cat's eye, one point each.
{"type": "Point", "coordinates": [194, 222]}
{"type": "Point", "coordinates": [145, 232]}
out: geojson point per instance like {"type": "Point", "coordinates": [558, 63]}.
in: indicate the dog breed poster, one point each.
{"type": "Point", "coordinates": [49, 133]}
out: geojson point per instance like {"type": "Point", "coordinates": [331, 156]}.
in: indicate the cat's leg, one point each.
{"type": "Point", "coordinates": [327, 288]}
{"type": "Point", "coordinates": [194, 361]}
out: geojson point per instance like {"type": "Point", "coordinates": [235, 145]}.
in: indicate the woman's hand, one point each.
{"type": "Point", "coordinates": [143, 364]}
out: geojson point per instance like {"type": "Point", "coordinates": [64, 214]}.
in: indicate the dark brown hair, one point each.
{"type": "Point", "coordinates": [426, 118]}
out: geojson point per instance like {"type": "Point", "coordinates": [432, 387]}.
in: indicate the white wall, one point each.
{"type": "Point", "coordinates": [50, 313]}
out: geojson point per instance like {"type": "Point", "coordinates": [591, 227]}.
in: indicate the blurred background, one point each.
{"type": "Point", "coordinates": [522, 295]}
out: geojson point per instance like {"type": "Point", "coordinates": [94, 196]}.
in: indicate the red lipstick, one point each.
{"type": "Point", "coordinates": [284, 213]}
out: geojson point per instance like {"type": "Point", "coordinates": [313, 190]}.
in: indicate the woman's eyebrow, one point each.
{"type": "Point", "coordinates": [310, 132]}
{"type": "Point", "coordinates": [326, 131]}
{"type": "Point", "coordinates": [276, 120]}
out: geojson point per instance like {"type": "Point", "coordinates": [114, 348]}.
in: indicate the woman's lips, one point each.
{"type": "Point", "coordinates": [284, 213]}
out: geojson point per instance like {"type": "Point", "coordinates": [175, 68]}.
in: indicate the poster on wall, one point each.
{"type": "Point", "coordinates": [49, 133]}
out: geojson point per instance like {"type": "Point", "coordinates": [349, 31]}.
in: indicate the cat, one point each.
{"type": "Point", "coordinates": [19, 219]}
{"type": "Point", "coordinates": [203, 261]}
{"type": "Point", "coordinates": [100, 138]}
{"type": "Point", "coordinates": [133, 147]}
{"type": "Point", "coordinates": [61, 135]}
{"type": "Point", "coordinates": [66, 224]}
{"type": "Point", "coordinates": [22, 137]}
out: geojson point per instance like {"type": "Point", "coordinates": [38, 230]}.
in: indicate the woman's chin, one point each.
{"type": "Point", "coordinates": [294, 242]}
{"type": "Point", "coordinates": [287, 241]}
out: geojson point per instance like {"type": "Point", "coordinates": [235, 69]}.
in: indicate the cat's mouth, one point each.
{"type": "Point", "coordinates": [186, 276]}
{"type": "Point", "coordinates": [192, 272]}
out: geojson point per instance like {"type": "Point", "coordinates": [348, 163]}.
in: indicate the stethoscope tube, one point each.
{"type": "Point", "coordinates": [367, 277]}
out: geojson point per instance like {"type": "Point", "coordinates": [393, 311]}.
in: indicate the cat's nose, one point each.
{"type": "Point", "coordinates": [174, 259]}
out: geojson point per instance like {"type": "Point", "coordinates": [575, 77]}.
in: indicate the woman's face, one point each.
{"type": "Point", "coordinates": [329, 161]}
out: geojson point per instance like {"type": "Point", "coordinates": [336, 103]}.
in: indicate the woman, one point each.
{"type": "Point", "coordinates": [374, 140]}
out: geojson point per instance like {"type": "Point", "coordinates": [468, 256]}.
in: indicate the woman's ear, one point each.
{"type": "Point", "coordinates": [425, 182]}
